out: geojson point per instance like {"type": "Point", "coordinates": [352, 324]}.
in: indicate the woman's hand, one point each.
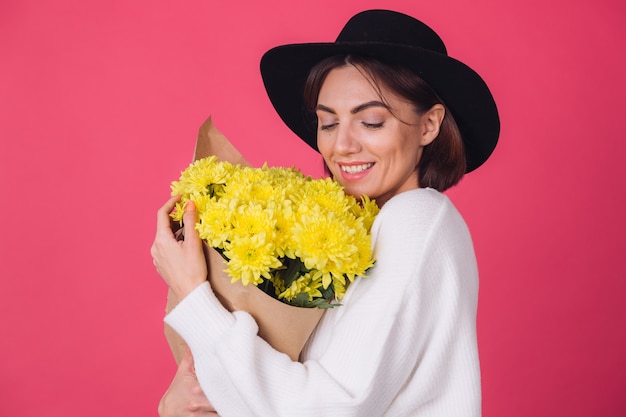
{"type": "Point", "coordinates": [181, 263]}
{"type": "Point", "coordinates": [184, 397]}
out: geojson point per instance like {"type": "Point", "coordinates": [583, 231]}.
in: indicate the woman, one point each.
{"type": "Point", "coordinates": [378, 105]}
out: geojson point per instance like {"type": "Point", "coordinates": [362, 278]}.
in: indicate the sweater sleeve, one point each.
{"type": "Point", "coordinates": [402, 343]}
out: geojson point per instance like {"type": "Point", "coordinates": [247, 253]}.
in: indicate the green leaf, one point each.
{"type": "Point", "coordinates": [302, 300]}
{"type": "Point", "coordinates": [295, 268]}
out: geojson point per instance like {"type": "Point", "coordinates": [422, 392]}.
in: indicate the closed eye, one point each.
{"type": "Point", "coordinates": [373, 125]}
{"type": "Point", "coordinates": [328, 126]}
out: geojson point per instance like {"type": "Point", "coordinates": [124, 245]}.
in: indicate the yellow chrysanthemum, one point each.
{"type": "Point", "coordinates": [285, 221]}
{"type": "Point", "coordinates": [362, 259]}
{"type": "Point", "coordinates": [252, 219]}
{"type": "Point", "coordinates": [329, 195]}
{"type": "Point", "coordinates": [340, 289]}
{"type": "Point", "coordinates": [250, 259]}
{"type": "Point", "coordinates": [204, 176]}
{"type": "Point", "coordinates": [366, 209]}
{"type": "Point", "coordinates": [216, 222]}
{"type": "Point", "coordinates": [322, 242]}
{"type": "Point", "coordinates": [303, 285]}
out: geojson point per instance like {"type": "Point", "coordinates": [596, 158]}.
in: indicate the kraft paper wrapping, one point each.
{"type": "Point", "coordinates": [284, 327]}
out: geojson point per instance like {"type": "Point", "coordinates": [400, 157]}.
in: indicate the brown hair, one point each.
{"type": "Point", "coordinates": [443, 161]}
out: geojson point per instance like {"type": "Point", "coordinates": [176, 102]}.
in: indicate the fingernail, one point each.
{"type": "Point", "coordinates": [190, 206]}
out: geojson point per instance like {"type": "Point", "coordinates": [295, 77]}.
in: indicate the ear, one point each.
{"type": "Point", "coordinates": [431, 122]}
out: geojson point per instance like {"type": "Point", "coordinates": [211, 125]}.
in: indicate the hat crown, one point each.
{"type": "Point", "coordinates": [386, 26]}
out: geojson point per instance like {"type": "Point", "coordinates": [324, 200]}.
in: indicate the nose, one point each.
{"type": "Point", "coordinates": [346, 141]}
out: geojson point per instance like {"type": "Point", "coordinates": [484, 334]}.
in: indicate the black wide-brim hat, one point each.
{"type": "Point", "coordinates": [396, 39]}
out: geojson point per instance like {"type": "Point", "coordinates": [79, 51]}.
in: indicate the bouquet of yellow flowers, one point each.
{"type": "Point", "coordinates": [300, 240]}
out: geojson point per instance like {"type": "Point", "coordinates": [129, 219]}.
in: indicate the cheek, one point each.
{"type": "Point", "coordinates": [410, 151]}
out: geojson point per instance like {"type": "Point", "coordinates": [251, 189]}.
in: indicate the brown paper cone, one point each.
{"type": "Point", "coordinates": [212, 142]}
{"type": "Point", "coordinates": [284, 327]}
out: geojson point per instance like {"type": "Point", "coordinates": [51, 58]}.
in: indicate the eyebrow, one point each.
{"type": "Point", "coordinates": [355, 110]}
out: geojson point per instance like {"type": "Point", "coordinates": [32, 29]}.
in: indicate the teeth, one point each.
{"type": "Point", "coordinates": [353, 169]}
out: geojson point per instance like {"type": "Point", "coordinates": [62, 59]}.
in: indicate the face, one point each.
{"type": "Point", "coordinates": [370, 147]}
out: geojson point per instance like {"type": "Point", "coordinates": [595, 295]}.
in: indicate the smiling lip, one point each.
{"type": "Point", "coordinates": [355, 171]}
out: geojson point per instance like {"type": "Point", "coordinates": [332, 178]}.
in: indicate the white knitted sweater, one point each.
{"type": "Point", "coordinates": [402, 344]}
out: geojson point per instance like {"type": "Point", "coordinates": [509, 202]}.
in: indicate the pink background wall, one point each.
{"type": "Point", "coordinates": [100, 102]}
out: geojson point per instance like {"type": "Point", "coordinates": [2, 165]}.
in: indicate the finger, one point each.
{"type": "Point", "coordinates": [183, 365]}
{"type": "Point", "coordinates": [163, 215]}
{"type": "Point", "coordinates": [186, 364]}
{"type": "Point", "coordinates": [189, 223]}
{"type": "Point", "coordinates": [189, 355]}
{"type": "Point", "coordinates": [187, 359]}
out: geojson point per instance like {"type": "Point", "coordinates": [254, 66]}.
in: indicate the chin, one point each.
{"type": "Point", "coordinates": [356, 192]}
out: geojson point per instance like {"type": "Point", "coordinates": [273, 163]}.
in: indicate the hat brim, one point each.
{"type": "Point", "coordinates": [285, 69]}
